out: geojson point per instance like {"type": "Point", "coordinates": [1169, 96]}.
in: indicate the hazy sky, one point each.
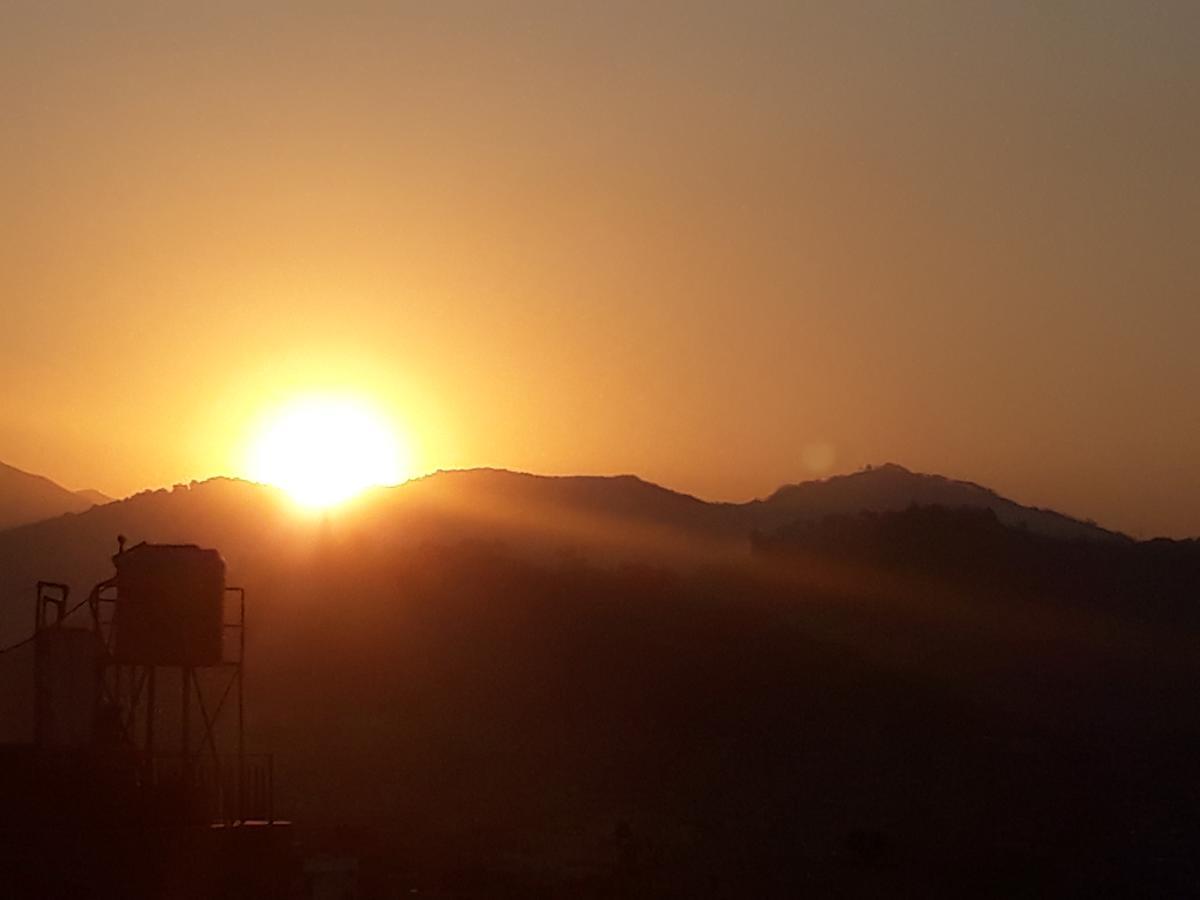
{"type": "Point", "coordinates": [721, 245]}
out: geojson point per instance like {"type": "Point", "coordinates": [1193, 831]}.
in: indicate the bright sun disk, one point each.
{"type": "Point", "coordinates": [324, 450]}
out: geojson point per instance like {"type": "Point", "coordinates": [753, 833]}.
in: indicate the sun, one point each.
{"type": "Point", "coordinates": [324, 450]}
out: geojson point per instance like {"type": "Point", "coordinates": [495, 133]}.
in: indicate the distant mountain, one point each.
{"type": "Point", "coordinates": [612, 517]}
{"type": "Point", "coordinates": [457, 652]}
{"type": "Point", "coordinates": [624, 508]}
{"type": "Point", "coordinates": [25, 498]}
{"type": "Point", "coordinates": [94, 497]}
{"type": "Point", "coordinates": [614, 496]}
{"type": "Point", "coordinates": [890, 488]}
{"type": "Point", "coordinates": [970, 551]}
{"type": "Point", "coordinates": [614, 513]}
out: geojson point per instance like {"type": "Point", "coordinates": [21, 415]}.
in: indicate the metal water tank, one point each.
{"type": "Point", "coordinates": [169, 609]}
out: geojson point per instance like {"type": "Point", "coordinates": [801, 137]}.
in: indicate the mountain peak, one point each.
{"type": "Point", "coordinates": [25, 497]}
{"type": "Point", "coordinates": [891, 487]}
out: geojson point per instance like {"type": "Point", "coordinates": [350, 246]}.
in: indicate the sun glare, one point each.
{"type": "Point", "coordinates": [325, 450]}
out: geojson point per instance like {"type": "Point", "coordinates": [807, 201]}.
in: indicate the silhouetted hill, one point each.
{"type": "Point", "coordinates": [975, 552]}
{"type": "Point", "coordinates": [477, 671]}
{"type": "Point", "coordinates": [28, 498]}
{"type": "Point", "coordinates": [892, 487]}
{"type": "Point", "coordinates": [625, 512]}
{"type": "Point", "coordinates": [619, 497]}
{"type": "Point", "coordinates": [95, 498]}
{"type": "Point", "coordinates": [606, 519]}
{"type": "Point", "coordinates": [618, 517]}
{"type": "Point", "coordinates": [626, 509]}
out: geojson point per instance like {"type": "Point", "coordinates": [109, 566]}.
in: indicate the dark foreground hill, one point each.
{"type": "Point", "coordinates": [485, 689]}
{"type": "Point", "coordinates": [28, 498]}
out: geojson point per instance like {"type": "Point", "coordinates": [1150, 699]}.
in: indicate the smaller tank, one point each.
{"type": "Point", "coordinates": [170, 601]}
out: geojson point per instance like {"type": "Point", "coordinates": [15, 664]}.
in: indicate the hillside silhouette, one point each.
{"type": "Point", "coordinates": [614, 510]}
{"type": "Point", "coordinates": [973, 549]}
{"type": "Point", "coordinates": [891, 487]}
{"type": "Point", "coordinates": [510, 685]}
{"type": "Point", "coordinates": [94, 497]}
{"type": "Point", "coordinates": [26, 498]}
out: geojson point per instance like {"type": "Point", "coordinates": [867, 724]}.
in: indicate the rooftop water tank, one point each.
{"type": "Point", "coordinates": [170, 602]}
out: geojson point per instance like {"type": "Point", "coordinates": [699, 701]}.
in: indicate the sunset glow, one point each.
{"type": "Point", "coordinates": [325, 450]}
{"type": "Point", "coordinates": [721, 246]}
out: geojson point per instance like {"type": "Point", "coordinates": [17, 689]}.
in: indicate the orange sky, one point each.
{"type": "Point", "coordinates": [723, 246]}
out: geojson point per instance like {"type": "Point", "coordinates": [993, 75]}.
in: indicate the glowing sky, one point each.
{"type": "Point", "coordinates": [720, 245]}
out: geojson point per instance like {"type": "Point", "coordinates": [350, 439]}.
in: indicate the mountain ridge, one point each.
{"type": "Point", "coordinates": [435, 629]}
{"type": "Point", "coordinates": [26, 497]}
{"type": "Point", "coordinates": [891, 487]}
{"type": "Point", "coordinates": [94, 497]}
{"type": "Point", "coordinates": [506, 492]}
